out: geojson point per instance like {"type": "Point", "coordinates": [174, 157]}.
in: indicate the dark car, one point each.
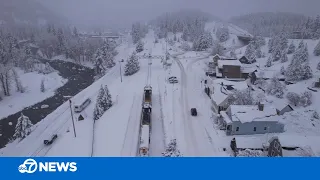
{"type": "Point", "coordinates": [194, 112]}
{"type": "Point", "coordinates": [48, 142]}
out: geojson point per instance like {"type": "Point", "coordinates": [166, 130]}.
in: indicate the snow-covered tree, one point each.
{"type": "Point", "coordinates": [275, 88]}
{"type": "Point", "coordinates": [316, 50]}
{"type": "Point", "coordinates": [171, 150]}
{"type": "Point", "coordinates": [222, 34]}
{"type": "Point", "coordinates": [276, 54]}
{"type": "Point", "coordinates": [299, 68]}
{"type": "Point", "coordinates": [251, 153]}
{"type": "Point", "coordinates": [250, 53]}
{"type": "Point", "coordinates": [306, 99]}
{"type": "Point", "coordinates": [282, 70]}
{"type": "Point", "coordinates": [203, 42]}
{"type": "Point", "coordinates": [318, 66]}
{"type": "Point", "coordinates": [18, 82]}
{"type": "Point", "coordinates": [107, 98]}
{"type": "Point", "coordinates": [283, 57]}
{"type": "Point", "coordinates": [233, 54]}
{"type": "Point", "coordinates": [42, 88]}
{"type": "Point", "coordinates": [293, 98]}
{"type": "Point", "coordinates": [269, 62]}
{"type": "Point", "coordinates": [23, 127]}
{"type": "Point", "coordinates": [292, 48]}
{"type": "Point", "coordinates": [139, 47]}
{"type": "Point", "coordinates": [217, 48]}
{"type": "Point", "coordinates": [185, 46]}
{"type": "Point", "coordinates": [243, 97]}
{"type": "Point", "coordinates": [100, 104]}
{"type": "Point", "coordinates": [132, 66]}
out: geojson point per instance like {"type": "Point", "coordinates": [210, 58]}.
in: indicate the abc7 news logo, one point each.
{"type": "Point", "coordinates": [28, 166]}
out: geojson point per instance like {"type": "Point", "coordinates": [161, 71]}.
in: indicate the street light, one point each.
{"type": "Point", "coordinates": [74, 128]}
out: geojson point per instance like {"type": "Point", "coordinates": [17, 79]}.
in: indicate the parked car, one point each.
{"type": "Point", "coordinates": [194, 112]}
{"type": "Point", "coordinates": [50, 141]}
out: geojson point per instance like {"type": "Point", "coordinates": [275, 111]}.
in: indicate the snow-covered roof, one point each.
{"type": "Point", "coordinates": [280, 104]}
{"type": "Point", "coordinates": [292, 140]}
{"type": "Point", "coordinates": [222, 63]}
{"type": "Point", "coordinates": [220, 92]}
{"type": "Point", "coordinates": [249, 113]}
{"type": "Point", "coordinates": [146, 105]}
{"type": "Point", "coordinates": [225, 117]}
{"type": "Point", "coordinates": [147, 88]}
{"type": "Point", "coordinates": [267, 74]}
{"type": "Point", "coordinates": [218, 74]}
{"type": "Point", "coordinates": [144, 136]}
{"type": "Point", "coordinates": [249, 142]}
{"type": "Point", "coordinates": [248, 69]}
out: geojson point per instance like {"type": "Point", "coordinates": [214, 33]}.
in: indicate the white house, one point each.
{"type": "Point", "coordinates": [251, 119]}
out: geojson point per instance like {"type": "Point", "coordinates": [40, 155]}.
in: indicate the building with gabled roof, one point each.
{"type": "Point", "coordinates": [251, 119]}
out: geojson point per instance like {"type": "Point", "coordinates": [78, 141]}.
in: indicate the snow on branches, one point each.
{"type": "Point", "coordinates": [132, 66]}
{"type": "Point", "coordinates": [171, 150]}
{"type": "Point", "coordinates": [23, 127]}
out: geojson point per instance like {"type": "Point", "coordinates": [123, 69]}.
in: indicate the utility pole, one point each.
{"type": "Point", "coordinates": [74, 128]}
{"type": "Point", "coordinates": [120, 69]}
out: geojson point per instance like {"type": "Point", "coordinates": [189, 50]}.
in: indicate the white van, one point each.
{"type": "Point", "coordinates": [80, 107]}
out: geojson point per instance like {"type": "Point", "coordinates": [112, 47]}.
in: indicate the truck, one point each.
{"type": "Point", "coordinates": [147, 95]}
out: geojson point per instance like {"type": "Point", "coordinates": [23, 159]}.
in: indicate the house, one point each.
{"type": "Point", "coordinates": [251, 119]}
{"type": "Point", "coordinates": [218, 57]}
{"type": "Point", "coordinates": [222, 90]}
{"type": "Point", "coordinates": [247, 70]}
{"type": "Point", "coordinates": [281, 107]}
{"type": "Point", "coordinates": [245, 60]}
{"type": "Point", "coordinates": [229, 69]}
{"type": "Point", "coordinates": [265, 75]}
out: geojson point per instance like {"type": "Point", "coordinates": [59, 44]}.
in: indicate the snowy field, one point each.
{"type": "Point", "coordinates": [31, 82]}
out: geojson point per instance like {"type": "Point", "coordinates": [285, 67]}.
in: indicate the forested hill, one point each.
{"type": "Point", "coordinates": [26, 12]}
{"type": "Point", "coordinates": [268, 24]}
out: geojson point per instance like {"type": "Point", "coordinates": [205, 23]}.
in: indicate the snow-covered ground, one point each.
{"type": "Point", "coordinates": [31, 82]}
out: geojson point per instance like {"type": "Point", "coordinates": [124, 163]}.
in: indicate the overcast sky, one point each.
{"type": "Point", "coordinates": [119, 12]}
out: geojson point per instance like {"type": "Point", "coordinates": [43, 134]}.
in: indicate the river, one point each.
{"type": "Point", "coordinates": [79, 78]}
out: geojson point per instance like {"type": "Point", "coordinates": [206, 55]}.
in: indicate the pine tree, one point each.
{"type": "Point", "coordinates": [269, 62]}
{"type": "Point", "coordinates": [139, 47]}
{"type": "Point", "coordinates": [276, 53]}
{"type": "Point", "coordinates": [283, 57]}
{"type": "Point", "coordinates": [132, 66]}
{"type": "Point", "coordinates": [316, 50]}
{"type": "Point", "coordinates": [42, 88]}
{"type": "Point", "coordinates": [23, 127]}
{"type": "Point", "coordinates": [292, 48]}
{"type": "Point", "coordinates": [282, 70]}
{"type": "Point", "coordinates": [250, 53]}
{"type": "Point", "coordinates": [108, 98]}
{"type": "Point", "coordinates": [101, 104]}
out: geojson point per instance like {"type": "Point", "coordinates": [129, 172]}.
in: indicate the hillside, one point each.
{"type": "Point", "coordinates": [268, 23]}
{"type": "Point", "coordinates": [30, 12]}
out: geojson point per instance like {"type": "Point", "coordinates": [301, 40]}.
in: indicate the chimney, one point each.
{"type": "Point", "coordinates": [260, 106]}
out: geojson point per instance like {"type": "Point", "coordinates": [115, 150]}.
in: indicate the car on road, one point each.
{"type": "Point", "coordinates": [173, 79]}
{"type": "Point", "coordinates": [51, 140]}
{"type": "Point", "coordinates": [194, 112]}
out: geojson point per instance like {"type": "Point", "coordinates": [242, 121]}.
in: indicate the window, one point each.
{"type": "Point", "coordinates": [265, 128]}
{"type": "Point", "coordinates": [255, 129]}
{"type": "Point", "coordinates": [237, 129]}
{"type": "Point", "coordinates": [272, 153]}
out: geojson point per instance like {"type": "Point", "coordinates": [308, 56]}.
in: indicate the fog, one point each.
{"type": "Point", "coordinates": [123, 12]}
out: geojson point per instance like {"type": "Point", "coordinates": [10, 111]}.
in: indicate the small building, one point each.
{"type": "Point", "coordinates": [222, 90]}
{"type": "Point", "coordinates": [282, 107]}
{"type": "Point", "coordinates": [251, 119]}
{"type": "Point", "coordinates": [229, 69]}
{"type": "Point", "coordinates": [218, 57]}
{"type": "Point", "coordinates": [265, 75]}
{"type": "Point", "coordinates": [245, 60]}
